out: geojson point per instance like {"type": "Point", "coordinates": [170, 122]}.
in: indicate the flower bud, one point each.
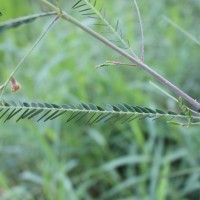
{"type": "Point", "coordinates": [14, 85]}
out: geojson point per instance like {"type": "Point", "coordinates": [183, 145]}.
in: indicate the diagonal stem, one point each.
{"type": "Point", "coordinates": [26, 55]}
{"type": "Point", "coordinates": [140, 64]}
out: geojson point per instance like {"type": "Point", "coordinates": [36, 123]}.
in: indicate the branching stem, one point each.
{"type": "Point", "coordinates": [142, 65]}
{"type": "Point", "coordinates": [27, 54]}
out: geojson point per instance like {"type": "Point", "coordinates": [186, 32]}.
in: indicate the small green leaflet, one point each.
{"type": "Point", "coordinates": [13, 23]}
{"type": "Point", "coordinates": [82, 113]}
{"type": "Point", "coordinates": [185, 109]}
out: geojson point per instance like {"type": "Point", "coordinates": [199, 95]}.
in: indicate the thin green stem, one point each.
{"type": "Point", "coordinates": [142, 65]}
{"type": "Point", "coordinates": [186, 33]}
{"type": "Point", "coordinates": [169, 95]}
{"type": "Point", "coordinates": [115, 32]}
{"type": "Point", "coordinates": [59, 6]}
{"type": "Point", "coordinates": [26, 55]}
{"type": "Point", "coordinates": [141, 30]}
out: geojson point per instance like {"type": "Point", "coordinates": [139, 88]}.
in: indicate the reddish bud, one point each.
{"type": "Point", "coordinates": [117, 62]}
{"type": "Point", "coordinates": [15, 86]}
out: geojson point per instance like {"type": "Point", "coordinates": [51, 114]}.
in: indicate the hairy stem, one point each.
{"type": "Point", "coordinates": [142, 65]}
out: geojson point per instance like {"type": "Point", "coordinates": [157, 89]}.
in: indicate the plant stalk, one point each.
{"type": "Point", "coordinates": [26, 55]}
{"type": "Point", "coordinates": [140, 64]}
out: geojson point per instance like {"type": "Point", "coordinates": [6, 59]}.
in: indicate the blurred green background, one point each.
{"type": "Point", "coordinates": [146, 159]}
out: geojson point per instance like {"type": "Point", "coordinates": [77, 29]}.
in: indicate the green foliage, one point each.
{"type": "Point", "coordinates": [139, 160]}
{"type": "Point", "coordinates": [185, 109]}
{"type": "Point", "coordinates": [22, 20]}
{"type": "Point", "coordinates": [83, 113]}
{"type": "Point", "coordinates": [92, 10]}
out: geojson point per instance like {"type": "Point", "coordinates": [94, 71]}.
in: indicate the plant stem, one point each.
{"type": "Point", "coordinates": [142, 65]}
{"type": "Point", "coordinates": [27, 54]}
{"type": "Point", "coordinates": [108, 24]}
{"type": "Point", "coordinates": [186, 33]}
{"type": "Point", "coordinates": [141, 30]}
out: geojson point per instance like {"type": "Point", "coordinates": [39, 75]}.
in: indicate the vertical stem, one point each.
{"type": "Point", "coordinates": [141, 30]}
